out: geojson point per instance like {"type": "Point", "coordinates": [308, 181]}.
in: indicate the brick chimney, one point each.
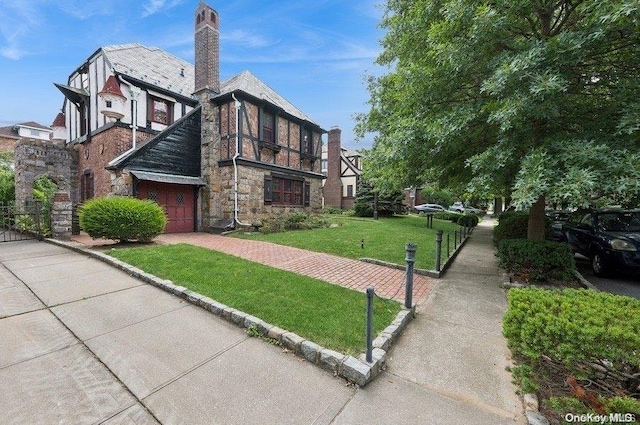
{"type": "Point", "coordinates": [207, 49]}
{"type": "Point", "coordinates": [332, 189]}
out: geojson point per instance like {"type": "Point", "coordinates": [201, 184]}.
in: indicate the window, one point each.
{"type": "Point", "coordinates": [307, 142]}
{"type": "Point", "coordinates": [268, 133]}
{"type": "Point", "coordinates": [283, 191]}
{"type": "Point", "coordinates": [160, 111]}
{"type": "Point", "coordinates": [86, 185]}
{"type": "Point", "coordinates": [349, 191]}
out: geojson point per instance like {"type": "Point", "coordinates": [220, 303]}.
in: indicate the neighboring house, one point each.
{"type": "Point", "coordinates": [213, 154]}
{"type": "Point", "coordinates": [27, 130]}
{"type": "Point", "coordinates": [343, 169]}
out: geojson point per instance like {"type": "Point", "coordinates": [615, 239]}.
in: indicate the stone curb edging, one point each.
{"type": "Point", "coordinates": [355, 370]}
{"type": "Point", "coordinates": [424, 272]}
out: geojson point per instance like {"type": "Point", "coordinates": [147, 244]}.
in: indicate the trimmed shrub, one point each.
{"type": "Point", "coordinates": [540, 260]}
{"type": "Point", "coordinates": [451, 216]}
{"type": "Point", "coordinates": [512, 225]}
{"type": "Point", "coordinates": [468, 220]}
{"type": "Point", "coordinates": [122, 218]}
{"type": "Point", "coordinates": [586, 332]}
{"type": "Point", "coordinates": [281, 222]}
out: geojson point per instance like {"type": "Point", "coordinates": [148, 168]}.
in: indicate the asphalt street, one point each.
{"type": "Point", "coordinates": [621, 285]}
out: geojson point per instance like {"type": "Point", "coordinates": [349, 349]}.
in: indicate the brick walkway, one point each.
{"type": "Point", "coordinates": [352, 274]}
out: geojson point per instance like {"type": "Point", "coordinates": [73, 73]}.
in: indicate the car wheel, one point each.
{"type": "Point", "coordinates": [599, 265]}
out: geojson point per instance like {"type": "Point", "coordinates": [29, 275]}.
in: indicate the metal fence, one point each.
{"type": "Point", "coordinates": [22, 223]}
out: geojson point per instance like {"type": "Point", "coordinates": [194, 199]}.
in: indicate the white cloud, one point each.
{"type": "Point", "coordinates": [154, 6]}
{"type": "Point", "coordinates": [12, 52]}
{"type": "Point", "coordinates": [246, 39]}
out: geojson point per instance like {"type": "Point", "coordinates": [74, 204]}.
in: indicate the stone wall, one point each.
{"type": "Point", "coordinates": [61, 216]}
{"type": "Point", "coordinates": [251, 206]}
{"type": "Point", "coordinates": [35, 158]}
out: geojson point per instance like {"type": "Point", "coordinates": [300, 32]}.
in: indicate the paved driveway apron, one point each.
{"type": "Point", "coordinates": [82, 342]}
{"type": "Point", "coordinates": [353, 274]}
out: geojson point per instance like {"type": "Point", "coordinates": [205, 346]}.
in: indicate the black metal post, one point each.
{"type": "Point", "coordinates": [448, 245]}
{"type": "Point", "coordinates": [455, 239]}
{"type": "Point", "coordinates": [369, 355]}
{"type": "Point", "coordinates": [438, 249]}
{"type": "Point", "coordinates": [411, 258]}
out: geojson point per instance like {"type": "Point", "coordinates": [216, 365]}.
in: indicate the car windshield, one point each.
{"type": "Point", "coordinates": [620, 221]}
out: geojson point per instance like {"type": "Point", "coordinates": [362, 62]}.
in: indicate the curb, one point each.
{"type": "Point", "coordinates": [355, 370]}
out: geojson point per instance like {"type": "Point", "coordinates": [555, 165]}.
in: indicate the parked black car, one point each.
{"type": "Point", "coordinates": [557, 218]}
{"type": "Point", "coordinates": [609, 237]}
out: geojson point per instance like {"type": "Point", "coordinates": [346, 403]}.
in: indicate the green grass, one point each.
{"type": "Point", "coordinates": [329, 315]}
{"type": "Point", "coordinates": [383, 239]}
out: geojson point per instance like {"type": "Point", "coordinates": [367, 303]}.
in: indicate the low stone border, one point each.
{"type": "Point", "coordinates": [424, 272]}
{"type": "Point", "coordinates": [356, 370]}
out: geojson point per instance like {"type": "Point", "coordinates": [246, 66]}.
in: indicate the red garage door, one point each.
{"type": "Point", "coordinates": [178, 201]}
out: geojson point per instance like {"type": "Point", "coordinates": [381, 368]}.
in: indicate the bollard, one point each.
{"type": "Point", "coordinates": [411, 258]}
{"type": "Point", "coordinates": [429, 221]}
{"type": "Point", "coordinates": [448, 245]}
{"type": "Point", "coordinates": [369, 355]}
{"type": "Point", "coordinates": [438, 249]}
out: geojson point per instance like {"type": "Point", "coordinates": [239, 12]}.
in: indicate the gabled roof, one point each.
{"type": "Point", "coordinates": [248, 83]}
{"type": "Point", "coordinates": [12, 130]}
{"type": "Point", "coordinates": [175, 151]}
{"type": "Point", "coordinates": [152, 66]}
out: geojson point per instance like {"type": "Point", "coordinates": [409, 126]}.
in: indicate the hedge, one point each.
{"type": "Point", "coordinates": [122, 218]}
{"type": "Point", "coordinates": [584, 330]}
{"type": "Point", "coordinates": [541, 260]}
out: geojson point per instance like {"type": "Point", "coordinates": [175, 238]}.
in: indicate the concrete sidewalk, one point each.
{"type": "Point", "coordinates": [85, 343]}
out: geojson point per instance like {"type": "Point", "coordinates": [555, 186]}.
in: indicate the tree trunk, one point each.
{"type": "Point", "coordinates": [536, 221]}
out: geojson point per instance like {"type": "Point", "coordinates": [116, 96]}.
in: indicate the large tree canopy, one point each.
{"type": "Point", "coordinates": [536, 98]}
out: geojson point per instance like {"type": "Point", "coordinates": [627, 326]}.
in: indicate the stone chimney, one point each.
{"type": "Point", "coordinates": [332, 189]}
{"type": "Point", "coordinates": [207, 49]}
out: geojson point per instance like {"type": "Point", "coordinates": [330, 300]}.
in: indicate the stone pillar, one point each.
{"type": "Point", "coordinates": [332, 190]}
{"type": "Point", "coordinates": [61, 216]}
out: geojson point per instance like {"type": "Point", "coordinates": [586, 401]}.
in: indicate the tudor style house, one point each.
{"type": "Point", "coordinates": [342, 168]}
{"type": "Point", "coordinates": [215, 154]}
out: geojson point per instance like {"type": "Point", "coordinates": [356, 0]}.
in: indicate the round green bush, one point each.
{"type": "Point", "coordinates": [122, 218]}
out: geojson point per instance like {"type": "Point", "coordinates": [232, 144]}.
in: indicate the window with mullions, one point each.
{"type": "Point", "coordinates": [281, 191]}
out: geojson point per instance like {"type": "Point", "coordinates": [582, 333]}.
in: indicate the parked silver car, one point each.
{"type": "Point", "coordinates": [429, 208]}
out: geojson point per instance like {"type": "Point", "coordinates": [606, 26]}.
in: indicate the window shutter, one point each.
{"type": "Point", "coordinates": [307, 194]}
{"type": "Point", "coordinates": [267, 190]}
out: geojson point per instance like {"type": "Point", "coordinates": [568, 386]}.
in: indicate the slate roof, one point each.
{"type": "Point", "coordinates": [174, 151]}
{"type": "Point", "coordinates": [250, 84]}
{"type": "Point", "coordinates": [152, 66]}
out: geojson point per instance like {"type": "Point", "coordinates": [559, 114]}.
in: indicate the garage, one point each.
{"type": "Point", "coordinates": [176, 194]}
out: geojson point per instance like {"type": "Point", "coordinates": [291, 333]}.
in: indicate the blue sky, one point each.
{"type": "Point", "coordinates": [315, 53]}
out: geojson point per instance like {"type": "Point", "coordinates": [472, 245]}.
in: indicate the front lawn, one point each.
{"type": "Point", "coordinates": [383, 239]}
{"type": "Point", "coordinates": [329, 315]}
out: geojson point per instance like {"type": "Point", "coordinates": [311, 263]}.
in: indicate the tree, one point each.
{"type": "Point", "coordinates": [7, 178]}
{"type": "Point", "coordinates": [388, 203]}
{"type": "Point", "coordinates": [538, 98]}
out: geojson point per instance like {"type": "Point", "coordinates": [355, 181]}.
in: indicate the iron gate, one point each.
{"type": "Point", "coordinates": [22, 223]}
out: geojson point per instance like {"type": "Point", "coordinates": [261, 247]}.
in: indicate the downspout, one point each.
{"type": "Point", "coordinates": [235, 164]}
{"type": "Point", "coordinates": [133, 92]}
